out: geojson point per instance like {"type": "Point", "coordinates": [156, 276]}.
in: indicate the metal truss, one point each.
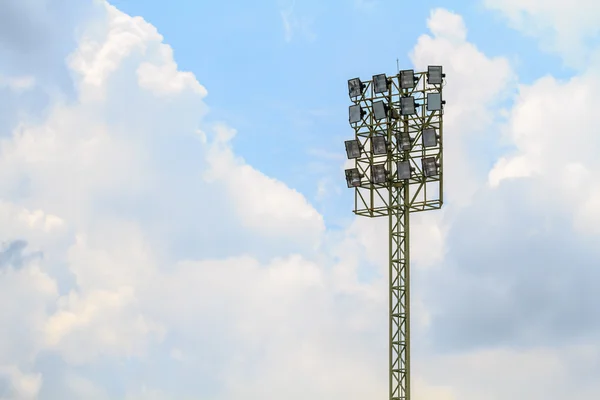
{"type": "Point", "coordinates": [397, 198]}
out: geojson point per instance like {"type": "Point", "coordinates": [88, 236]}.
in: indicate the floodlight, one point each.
{"type": "Point", "coordinates": [407, 105]}
{"type": "Point", "coordinates": [429, 166]}
{"type": "Point", "coordinates": [380, 83]}
{"type": "Point", "coordinates": [405, 141]}
{"type": "Point", "coordinates": [434, 101]}
{"type": "Point", "coordinates": [379, 145]}
{"type": "Point", "coordinates": [378, 174]}
{"type": "Point", "coordinates": [356, 113]}
{"type": "Point", "coordinates": [404, 170]}
{"type": "Point", "coordinates": [353, 177]}
{"type": "Point", "coordinates": [407, 79]}
{"type": "Point", "coordinates": [353, 149]}
{"type": "Point", "coordinates": [355, 87]}
{"type": "Point", "coordinates": [429, 137]}
{"type": "Point", "coordinates": [379, 110]}
{"type": "Point", "coordinates": [435, 75]}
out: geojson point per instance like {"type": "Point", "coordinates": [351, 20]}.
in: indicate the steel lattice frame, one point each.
{"type": "Point", "coordinates": [397, 198]}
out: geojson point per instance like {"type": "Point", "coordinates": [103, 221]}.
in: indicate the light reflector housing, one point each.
{"type": "Point", "coordinates": [378, 174]}
{"type": "Point", "coordinates": [355, 113]}
{"type": "Point", "coordinates": [435, 75]}
{"type": "Point", "coordinates": [430, 167]}
{"type": "Point", "coordinates": [353, 177]}
{"type": "Point", "coordinates": [407, 79]}
{"type": "Point", "coordinates": [379, 110]}
{"type": "Point", "coordinates": [355, 87]}
{"type": "Point", "coordinates": [407, 105]}
{"type": "Point", "coordinates": [353, 149]}
{"type": "Point", "coordinates": [380, 83]}
{"type": "Point", "coordinates": [404, 170]}
{"type": "Point", "coordinates": [379, 145]}
{"type": "Point", "coordinates": [429, 137]}
{"type": "Point", "coordinates": [405, 141]}
{"type": "Point", "coordinates": [434, 101]}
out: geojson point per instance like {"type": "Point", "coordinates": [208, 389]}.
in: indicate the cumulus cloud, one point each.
{"type": "Point", "coordinates": [26, 292]}
{"type": "Point", "coordinates": [521, 262]}
{"type": "Point", "coordinates": [103, 186]}
{"type": "Point", "coordinates": [35, 38]}
{"type": "Point", "coordinates": [555, 144]}
{"type": "Point", "coordinates": [167, 257]}
{"type": "Point", "coordinates": [531, 278]}
{"type": "Point", "coordinates": [513, 290]}
{"type": "Point", "coordinates": [263, 204]}
{"type": "Point", "coordinates": [570, 31]}
{"type": "Point", "coordinates": [477, 86]}
{"type": "Point", "coordinates": [518, 280]}
{"type": "Point", "coordinates": [535, 373]}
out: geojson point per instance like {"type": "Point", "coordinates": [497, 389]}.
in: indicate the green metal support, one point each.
{"type": "Point", "coordinates": [397, 199]}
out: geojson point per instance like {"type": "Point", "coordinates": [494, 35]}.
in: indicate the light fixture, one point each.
{"type": "Point", "coordinates": [404, 170]}
{"type": "Point", "coordinates": [355, 113]}
{"type": "Point", "coordinates": [380, 83]}
{"type": "Point", "coordinates": [434, 101]}
{"type": "Point", "coordinates": [407, 105]}
{"type": "Point", "coordinates": [435, 75]}
{"type": "Point", "coordinates": [429, 166]}
{"type": "Point", "coordinates": [380, 110]}
{"type": "Point", "coordinates": [355, 87]}
{"type": "Point", "coordinates": [407, 79]}
{"type": "Point", "coordinates": [405, 180]}
{"type": "Point", "coordinates": [405, 141]}
{"type": "Point", "coordinates": [353, 177]}
{"type": "Point", "coordinates": [378, 173]}
{"type": "Point", "coordinates": [429, 137]}
{"type": "Point", "coordinates": [353, 149]}
{"type": "Point", "coordinates": [379, 145]}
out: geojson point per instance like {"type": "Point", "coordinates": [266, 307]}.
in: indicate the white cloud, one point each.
{"type": "Point", "coordinates": [475, 85]}
{"type": "Point", "coordinates": [22, 386]}
{"type": "Point", "coordinates": [111, 186]}
{"type": "Point", "coordinates": [537, 373]}
{"type": "Point", "coordinates": [565, 29]}
{"type": "Point", "coordinates": [554, 142]}
{"type": "Point", "coordinates": [506, 249]}
{"type": "Point", "coordinates": [82, 163]}
{"type": "Point", "coordinates": [99, 55]}
{"type": "Point", "coordinates": [23, 220]}
{"type": "Point", "coordinates": [84, 388]}
{"type": "Point", "coordinates": [26, 293]}
{"type": "Point", "coordinates": [100, 323]}
{"type": "Point", "coordinates": [263, 204]}
{"type": "Point", "coordinates": [445, 24]}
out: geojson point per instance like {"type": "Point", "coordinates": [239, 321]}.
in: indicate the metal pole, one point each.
{"type": "Point", "coordinates": [404, 195]}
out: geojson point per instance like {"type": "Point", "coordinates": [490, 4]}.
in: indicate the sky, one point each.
{"type": "Point", "coordinates": [174, 221]}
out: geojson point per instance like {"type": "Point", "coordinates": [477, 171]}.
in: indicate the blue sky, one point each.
{"type": "Point", "coordinates": [158, 243]}
{"type": "Point", "coordinates": [286, 92]}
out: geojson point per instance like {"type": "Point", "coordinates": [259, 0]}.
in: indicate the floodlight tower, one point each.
{"type": "Point", "coordinates": [397, 148]}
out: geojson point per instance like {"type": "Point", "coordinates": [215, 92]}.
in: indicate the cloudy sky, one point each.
{"type": "Point", "coordinates": [174, 222]}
